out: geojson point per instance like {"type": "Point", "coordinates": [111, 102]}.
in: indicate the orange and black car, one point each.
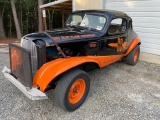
{"type": "Point", "coordinates": [61, 58]}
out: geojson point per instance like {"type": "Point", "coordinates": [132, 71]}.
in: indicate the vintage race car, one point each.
{"type": "Point", "coordinates": [60, 58]}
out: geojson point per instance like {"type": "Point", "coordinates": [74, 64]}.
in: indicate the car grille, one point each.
{"type": "Point", "coordinates": [31, 47]}
{"type": "Point", "coordinates": [20, 64]}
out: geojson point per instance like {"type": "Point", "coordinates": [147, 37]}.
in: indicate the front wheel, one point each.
{"type": "Point", "coordinates": [72, 89]}
{"type": "Point", "coordinates": [133, 56]}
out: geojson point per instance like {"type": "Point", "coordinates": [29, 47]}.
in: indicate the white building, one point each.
{"type": "Point", "coordinates": [145, 15]}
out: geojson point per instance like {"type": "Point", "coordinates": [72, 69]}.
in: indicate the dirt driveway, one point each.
{"type": "Point", "coordinates": [118, 91]}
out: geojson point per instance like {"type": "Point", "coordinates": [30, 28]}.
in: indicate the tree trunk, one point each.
{"type": "Point", "coordinates": [10, 26]}
{"type": "Point", "coordinates": [27, 19]}
{"type": "Point", "coordinates": [18, 30]}
{"type": "Point", "coordinates": [19, 14]}
{"type": "Point", "coordinates": [40, 20]}
{"type": "Point", "coordinates": [2, 33]}
{"type": "Point", "coordinates": [52, 19]}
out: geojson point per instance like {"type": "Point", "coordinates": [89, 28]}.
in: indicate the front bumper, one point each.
{"type": "Point", "coordinates": [33, 94]}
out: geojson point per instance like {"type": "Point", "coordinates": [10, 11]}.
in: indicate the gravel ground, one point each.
{"type": "Point", "coordinates": [118, 91]}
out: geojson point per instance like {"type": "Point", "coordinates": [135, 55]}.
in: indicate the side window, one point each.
{"type": "Point", "coordinates": [117, 21]}
{"type": "Point", "coordinates": [117, 26]}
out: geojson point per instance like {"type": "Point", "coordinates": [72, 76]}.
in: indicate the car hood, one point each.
{"type": "Point", "coordinates": [64, 35]}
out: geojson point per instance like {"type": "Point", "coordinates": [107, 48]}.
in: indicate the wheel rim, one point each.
{"type": "Point", "coordinates": [136, 55]}
{"type": "Point", "coordinates": [76, 91]}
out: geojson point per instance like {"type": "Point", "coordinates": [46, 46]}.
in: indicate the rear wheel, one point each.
{"type": "Point", "coordinates": [72, 89]}
{"type": "Point", "coordinates": [133, 56]}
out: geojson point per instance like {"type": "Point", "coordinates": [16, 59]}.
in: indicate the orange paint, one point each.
{"type": "Point", "coordinates": [73, 37]}
{"type": "Point", "coordinates": [93, 44]}
{"type": "Point", "coordinates": [76, 91]}
{"type": "Point", "coordinates": [136, 55]}
{"type": "Point", "coordinates": [15, 58]}
{"type": "Point", "coordinates": [120, 45]}
{"type": "Point", "coordinates": [133, 44]}
{"type": "Point", "coordinates": [52, 69]}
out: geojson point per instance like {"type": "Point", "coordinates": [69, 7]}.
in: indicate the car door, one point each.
{"type": "Point", "coordinates": [115, 41]}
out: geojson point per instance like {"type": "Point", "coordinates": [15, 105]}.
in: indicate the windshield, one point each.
{"type": "Point", "coordinates": [89, 21]}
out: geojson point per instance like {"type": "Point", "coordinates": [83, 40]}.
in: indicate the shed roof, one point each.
{"type": "Point", "coordinates": [60, 5]}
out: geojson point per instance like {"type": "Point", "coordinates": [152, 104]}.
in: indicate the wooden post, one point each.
{"type": "Point", "coordinates": [62, 18]}
{"type": "Point", "coordinates": [40, 18]}
{"type": "Point", "coordinates": [44, 19]}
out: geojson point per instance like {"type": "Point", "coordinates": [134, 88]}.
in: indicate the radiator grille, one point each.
{"type": "Point", "coordinates": [20, 64]}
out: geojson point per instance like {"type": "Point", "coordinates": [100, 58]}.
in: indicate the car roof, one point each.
{"type": "Point", "coordinates": [105, 11]}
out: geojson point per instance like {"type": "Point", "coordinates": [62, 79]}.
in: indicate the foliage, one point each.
{"type": "Point", "coordinates": [27, 13]}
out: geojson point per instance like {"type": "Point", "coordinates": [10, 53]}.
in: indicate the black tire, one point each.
{"type": "Point", "coordinates": [133, 56]}
{"type": "Point", "coordinates": [65, 87]}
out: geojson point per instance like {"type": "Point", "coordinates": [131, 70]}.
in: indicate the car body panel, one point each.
{"type": "Point", "coordinates": [102, 48]}
{"type": "Point", "coordinates": [64, 36]}
{"type": "Point", "coordinates": [134, 43]}
{"type": "Point", "coordinates": [52, 69]}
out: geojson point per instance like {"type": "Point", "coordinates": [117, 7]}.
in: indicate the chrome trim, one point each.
{"type": "Point", "coordinates": [33, 94]}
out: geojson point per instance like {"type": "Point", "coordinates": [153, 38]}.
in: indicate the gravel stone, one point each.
{"type": "Point", "coordinates": [118, 92]}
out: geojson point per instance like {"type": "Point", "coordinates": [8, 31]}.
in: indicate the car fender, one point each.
{"type": "Point", "coordinates": [51, 70]}
{"type": "Point", "coordinates": [136, 41]}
